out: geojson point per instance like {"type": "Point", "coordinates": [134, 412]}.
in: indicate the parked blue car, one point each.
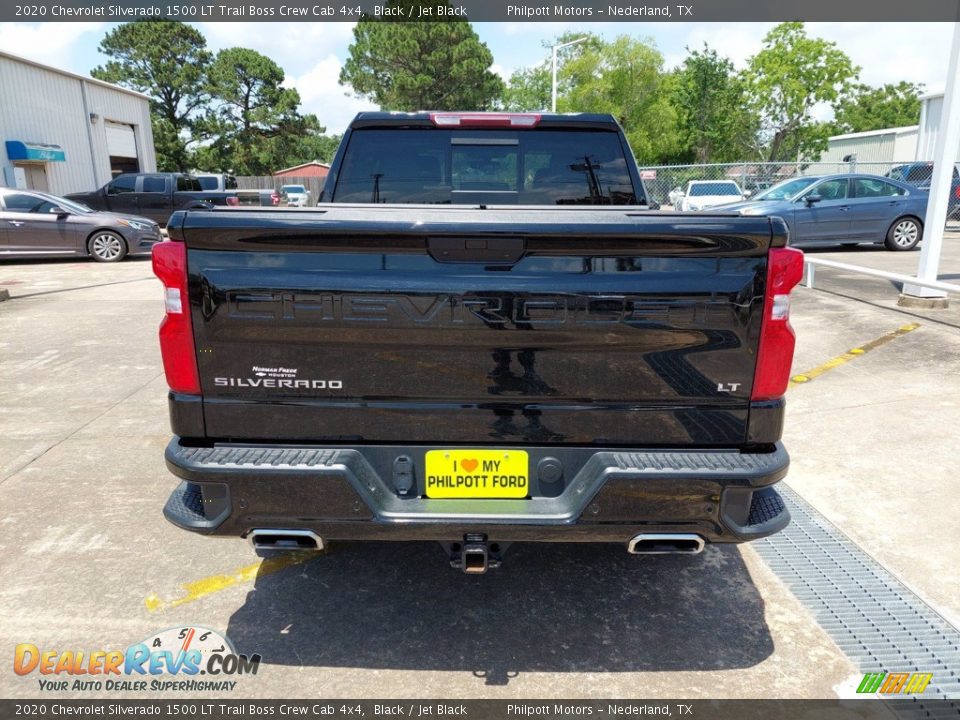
{"type": "Point", "coordinates": [843, 209]}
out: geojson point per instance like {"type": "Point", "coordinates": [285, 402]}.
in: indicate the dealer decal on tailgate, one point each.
{"type": "Point", "coordinates": [477, 474]}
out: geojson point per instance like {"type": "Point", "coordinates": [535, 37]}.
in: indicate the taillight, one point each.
{"type": "Point", "coordinates": [514, 120]}
{"type": "Point", "coordinates": [233, 201]}
{"type": "Point", "coordinates": [956, 192]}
{"type": "Point", "coordinates": [777, 341]}
{"type": "Point", "coordinates": [176, 331]}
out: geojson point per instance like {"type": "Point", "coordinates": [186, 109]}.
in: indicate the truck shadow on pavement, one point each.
{"type": "Point", "coordinates": [549, 608]}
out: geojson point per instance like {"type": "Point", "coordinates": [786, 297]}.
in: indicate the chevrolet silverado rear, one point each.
{"type": "Point", "coordinates": [482, 335]}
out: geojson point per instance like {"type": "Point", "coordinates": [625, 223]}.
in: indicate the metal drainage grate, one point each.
{"type": "Point", "coordinates": [877, 621]}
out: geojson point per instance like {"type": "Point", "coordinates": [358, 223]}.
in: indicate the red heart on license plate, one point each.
{"type": "Point", "coordinates": [469, 465]}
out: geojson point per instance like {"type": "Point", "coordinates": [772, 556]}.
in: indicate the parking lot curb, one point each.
{"type": "Point", "coordinates": [933, 303]}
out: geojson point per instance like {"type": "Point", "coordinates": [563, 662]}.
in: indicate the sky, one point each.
{"type": "Point", "coordinates": [312, 53]}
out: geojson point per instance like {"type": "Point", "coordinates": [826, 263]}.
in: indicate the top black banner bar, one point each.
{"type": "Point", "coordinates": [540, 11]}
{"type": "Point", "coordinates": [195, 708]}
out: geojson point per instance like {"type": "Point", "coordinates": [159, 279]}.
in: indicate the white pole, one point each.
{"type": "Point", "coordinates": [553, 102]}
{"type": "Point", "coordinates": [945, 150]}
{"type": "Point", "coordinates": [920, 153]}
{"type": "Point", "coordinates": [554, 48]}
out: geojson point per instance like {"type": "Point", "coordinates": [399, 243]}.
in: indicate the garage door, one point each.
{"type": "Point", "coordinates": [121, 141]}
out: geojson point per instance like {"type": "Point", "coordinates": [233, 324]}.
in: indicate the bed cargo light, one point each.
{"type": "Point", "coordinates": [514, 120]}
{"type": "Point", "coordinates": [777, 339]}
{"type": "Point", "coordinates": [176, 331]}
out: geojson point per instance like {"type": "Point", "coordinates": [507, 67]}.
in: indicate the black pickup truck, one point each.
{"type": "Point", "coordinates": [154, 195]}
{"type": "Point", "coordinates": [525, 353]}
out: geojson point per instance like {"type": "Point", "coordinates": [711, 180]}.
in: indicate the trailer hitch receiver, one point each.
{"type": "Point", "coordinates": [475, 555]}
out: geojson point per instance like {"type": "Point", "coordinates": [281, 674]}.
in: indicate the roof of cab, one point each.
{"type": "Point", "coordinates": [580, 121]}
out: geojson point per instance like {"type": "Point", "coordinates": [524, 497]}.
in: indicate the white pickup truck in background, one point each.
{"type": "Point", "coordinates": [295, 195]}
{"type": "Point", "coordinates": [703, 194]}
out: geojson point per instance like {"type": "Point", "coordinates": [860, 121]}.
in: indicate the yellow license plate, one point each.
{"type": "Point", "coordinates": [477, 474]}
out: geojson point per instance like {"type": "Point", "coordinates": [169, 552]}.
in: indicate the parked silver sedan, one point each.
{"type": "Point", "coordinates": [36, 224]}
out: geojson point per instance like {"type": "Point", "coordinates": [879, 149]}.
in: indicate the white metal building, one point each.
{"type": "Point", "coordinates": [64, 132]}
{"type": "Point", "coordinates": [891, 145]}
{"type": "Point", "coordinates": [931, 106]}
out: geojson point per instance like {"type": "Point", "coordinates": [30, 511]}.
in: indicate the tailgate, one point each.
{"type": "Point", "coordinates": [366, 324]}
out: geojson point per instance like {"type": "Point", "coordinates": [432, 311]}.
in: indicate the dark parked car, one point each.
{"type": "Point", "coordinates": [920, 174]}
{"type": "Point", "coordinates": [35, 224]}
{"type": "Point", "coordinates": [917, 174]}
{"type": "Point", "coordinates": [848, 209]}
{"type": "Point", "coordinates": [154, 195]}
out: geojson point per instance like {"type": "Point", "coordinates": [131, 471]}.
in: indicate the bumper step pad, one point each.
{"type": "Point", "coordinates": [766, 505]}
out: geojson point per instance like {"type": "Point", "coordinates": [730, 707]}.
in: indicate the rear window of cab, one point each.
{"type": "Point", "coordinates": [450, 166]}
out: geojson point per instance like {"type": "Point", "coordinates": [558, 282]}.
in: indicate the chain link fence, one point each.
{"type": "Point", "coordinates": [665, 183]}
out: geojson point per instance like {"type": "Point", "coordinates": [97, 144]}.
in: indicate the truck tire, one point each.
{"type": "Point", "coordinates": [904, 234]}
{"type": "Point", "coordinates": [106, 246]}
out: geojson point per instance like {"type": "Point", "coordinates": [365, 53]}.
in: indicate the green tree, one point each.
{"type": "Point", "coordinates": [531, 88]}
{"type": "Point", "coordinates": [528, 89]}
{"type": "Point", "coordinates": [292, 150]}
{"type": "Point", "coordinates": [715, 121]}
{"type": "Point", "coordinates": [168, 61]}
{"type": "Point", "coordinates": [869, 108]}
{"type": "Point", "coordinates": [790, 75]}
{"type": "Point", "coordinates": [624, 78]}
{"type": "Point", "coordinates": [275, 153]}
{"type": "Point", "coordinates": [421, 65]}
{"type": "Point", "coordinates": [288, 150]}
{"type": "Point", "coordinates": [255, 121]}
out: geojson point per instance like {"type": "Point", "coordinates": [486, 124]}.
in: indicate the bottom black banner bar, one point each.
{"type": "Point", "coordinates": [866, 709]}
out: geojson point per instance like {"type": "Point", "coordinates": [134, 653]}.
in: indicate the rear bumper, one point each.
{"type": "Point", "coordinates": [603, 495]}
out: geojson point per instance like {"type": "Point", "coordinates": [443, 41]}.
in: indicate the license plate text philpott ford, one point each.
{"type": "Point", "coordinates": [477, 474]}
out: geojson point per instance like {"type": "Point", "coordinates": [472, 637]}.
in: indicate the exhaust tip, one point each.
{"type": "Point", "coordinates": [268, 539]}
{"type": "Point", "coordinates": [665, 544]}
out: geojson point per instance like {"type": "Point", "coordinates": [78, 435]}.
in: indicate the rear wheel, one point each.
{"type": "Point", "coordinates": [904, 234]}
{"type": "Point", "coordinates": [106, 246]}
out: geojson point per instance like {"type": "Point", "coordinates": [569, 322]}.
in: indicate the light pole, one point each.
{"type": "Point", "coordinates": [554, 48]}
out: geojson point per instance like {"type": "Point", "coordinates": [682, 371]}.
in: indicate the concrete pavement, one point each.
{"type": "Point", "coordinates": [89, 562]}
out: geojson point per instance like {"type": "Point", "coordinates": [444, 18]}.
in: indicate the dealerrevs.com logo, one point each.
{"type": "Point", "coordinates": [171, 660]}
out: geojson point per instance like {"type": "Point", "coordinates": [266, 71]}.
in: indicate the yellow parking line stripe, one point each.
{"type": "Point", "coordinates": [852, 354]}
{"type": "Point", "coordinates": [215, 583]}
